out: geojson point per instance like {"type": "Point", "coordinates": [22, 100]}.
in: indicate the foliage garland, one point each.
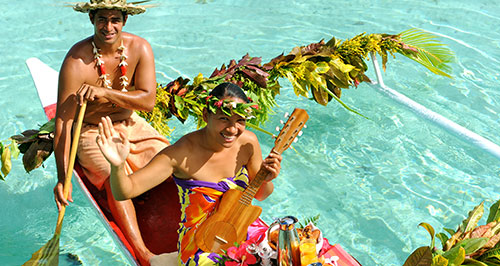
{"type": "Point", "coordinates": [319, 71]}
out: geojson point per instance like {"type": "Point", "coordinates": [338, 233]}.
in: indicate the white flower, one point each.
{"type": "Point", "coordinates": [124, 83]}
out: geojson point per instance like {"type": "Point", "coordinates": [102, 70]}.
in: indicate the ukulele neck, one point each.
{"type": "Point", "coordinates": [254, 186]}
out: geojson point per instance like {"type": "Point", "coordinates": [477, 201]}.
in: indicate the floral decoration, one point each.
{"type": "Point", "coordinates": [318, 71]}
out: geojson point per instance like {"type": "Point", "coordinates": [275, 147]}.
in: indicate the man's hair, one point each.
{"type": "Point", "coordinates": [229, 90]}
{"type": "Point", "coordinates": [94, 11]}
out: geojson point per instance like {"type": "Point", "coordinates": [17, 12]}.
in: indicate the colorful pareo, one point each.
{"type": "Point", "coordinates": [198, 199]}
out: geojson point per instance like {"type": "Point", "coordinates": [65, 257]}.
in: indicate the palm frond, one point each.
{"type": "Point", "coordinates": [432, 54]}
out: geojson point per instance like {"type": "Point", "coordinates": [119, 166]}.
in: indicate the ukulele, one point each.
{"type": "Point", "coordinates": [229, 224]}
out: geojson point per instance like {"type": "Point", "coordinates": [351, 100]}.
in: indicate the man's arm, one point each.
{"type": "Point", "coordinates": [69, 83]}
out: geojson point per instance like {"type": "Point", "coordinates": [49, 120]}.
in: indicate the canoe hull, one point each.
{"type": "Point", "coordinates": [158, 210]}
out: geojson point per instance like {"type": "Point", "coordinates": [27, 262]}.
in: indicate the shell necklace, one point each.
{"type": "Point", "coordinates": [102, 70]}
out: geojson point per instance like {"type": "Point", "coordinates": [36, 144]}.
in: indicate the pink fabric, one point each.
{"type": "Point", "coordinates": [326, 246]}
{"type": "Point", "coordinates": [145, 143]}
{"type": "Point", "coordinates": [257, 230]}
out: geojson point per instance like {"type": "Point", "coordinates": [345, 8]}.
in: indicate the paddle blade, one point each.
{"type": "Point", "coordinates": [48, 255]}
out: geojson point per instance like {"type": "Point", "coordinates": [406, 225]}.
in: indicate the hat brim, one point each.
{"type": "Point", "coordinates": [130, 9]}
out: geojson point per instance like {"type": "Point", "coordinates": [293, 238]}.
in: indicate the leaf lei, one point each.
{"type": "Point", "coordinates": [228, 107]}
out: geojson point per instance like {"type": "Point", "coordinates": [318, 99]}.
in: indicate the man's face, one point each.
{"type": "Point", "coordinates": [108, 24]}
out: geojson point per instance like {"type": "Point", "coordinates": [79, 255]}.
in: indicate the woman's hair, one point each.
{"type": "Point", "coordinates": [229, 90]}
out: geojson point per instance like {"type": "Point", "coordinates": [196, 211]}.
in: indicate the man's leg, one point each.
{"type": "Point", "coordinates": [124, 214]}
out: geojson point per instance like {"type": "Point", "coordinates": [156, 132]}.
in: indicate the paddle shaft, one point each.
{"type": "Point", "coordinates": [71, 165]}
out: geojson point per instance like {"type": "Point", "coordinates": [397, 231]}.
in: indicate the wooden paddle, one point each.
{"type": "Point", "coordinates": [48, 255]}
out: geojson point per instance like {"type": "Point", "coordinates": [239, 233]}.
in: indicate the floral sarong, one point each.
{"type": "Point", "coordinates": [199, 199]}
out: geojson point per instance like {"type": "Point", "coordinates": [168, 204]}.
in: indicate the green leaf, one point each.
{"type": "Point", "coordinates": [494, 212]}
{"type": "Point", "coordinates": [322, 67]}
{"type": "Point", "coordinates": [431, 231]}
{"type": "Point", "coordinates": [14, 149]}
{"type": "Point", "coordinates": [308, 220]}
{"type": "Point", "coordinates": [474, 216]}
{"type": "Point", "coordinates": [48, 127]}
{"type": "Point", "coordinates": [449, 231]}
{"type": "Point", "coordinates": [455, 256]}
{"type": "Point", "coordinates": [471, 245]}
{"type": "Point", "coordinates": [496, 229]}
{"type": "Point", "coordinates": [253, 126]}
{"type": "Point", "coordinates": [197, 80]}
{"type": "Point", "coordinates": [422, 256]}
{"type": "Point", "coordinates": [1, 152]}
{"type": "Point", "coordinates": [432, 54]}
{"type": "Point", "coordinates": [343, 104]}
{"type": "Point", "coordinates": [491, 254]}
{"type": "Point", "coordinates": [439, 260]}
{"type": "Point", "coordinates": [6, 161]}
{"type": "Point", "coordinates": [345, 68]}
{"type": "Point", "coordinates": [320, 95]}
{"type": "Point", "coordinates": [473, 262]}
{"type": "Point", "coordinates": [443, 238]}
{"type": "Point", "coordinates": [297, 87]}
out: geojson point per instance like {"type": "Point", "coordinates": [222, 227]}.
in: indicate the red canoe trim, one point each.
{"type": "Point", "coordinates": [50, 110]}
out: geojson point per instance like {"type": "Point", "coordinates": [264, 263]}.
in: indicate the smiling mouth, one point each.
{"type": "Point", "coordinates": [228, 138]}
{"type": "Point", "coordinates": [109, 35]}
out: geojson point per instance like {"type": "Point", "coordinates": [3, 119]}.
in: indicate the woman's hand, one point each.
{"type": "Point", "coordinates": [273, 164]}
{"type": "Point", "coordinates": [115, 147]}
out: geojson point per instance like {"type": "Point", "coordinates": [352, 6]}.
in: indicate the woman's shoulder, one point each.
{"type": "Point", "coordinates": [186, 142]}
{"type": "Point", "coordinates": [249, 136]}
{"type": "Point", "coordinates": [248, 139]}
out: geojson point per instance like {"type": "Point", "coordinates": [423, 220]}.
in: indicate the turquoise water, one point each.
{"type": "Point", "coordinates": [372, 181]}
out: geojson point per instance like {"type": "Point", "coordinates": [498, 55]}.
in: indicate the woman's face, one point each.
{"type": "Point", "coordinates": [226, 129]}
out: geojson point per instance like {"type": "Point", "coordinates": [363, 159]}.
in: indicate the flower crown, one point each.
{"type": "Point", "coordinates": [228, 107]}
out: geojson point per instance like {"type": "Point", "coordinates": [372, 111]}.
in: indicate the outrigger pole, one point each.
{"type": "Point", "coordinates": [450, 126]}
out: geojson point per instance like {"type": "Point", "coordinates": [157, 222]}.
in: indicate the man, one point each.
{"type": "Point", "coordinates": [114, 72]}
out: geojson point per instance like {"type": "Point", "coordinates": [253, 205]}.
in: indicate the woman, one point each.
{"type": "Point", "coordinates": [204, 164]}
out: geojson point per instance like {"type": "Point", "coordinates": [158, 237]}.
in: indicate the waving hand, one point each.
{"type": "Point", "coordinates": [114, 146]}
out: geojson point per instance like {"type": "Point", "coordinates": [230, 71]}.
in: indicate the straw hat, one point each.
{"type": "Point", "coordinates": [131, 8]}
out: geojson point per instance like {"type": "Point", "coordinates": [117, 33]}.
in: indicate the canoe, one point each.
{"type": "Point", "coordinates": [158, 210]}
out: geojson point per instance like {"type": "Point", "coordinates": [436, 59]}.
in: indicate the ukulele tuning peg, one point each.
{"type": "Point", "coordinates": [286, 115]}
{"type": "Point", "coordinates": [300, 133]}
{"type": "Point", "coordinates": [305, 126]}
{"type": "Point", "coordinates": [281, 121]}
{"type": "Point", "coordinates": [278, 129]}
{"type": "Point", "coordinates": [295, 140]}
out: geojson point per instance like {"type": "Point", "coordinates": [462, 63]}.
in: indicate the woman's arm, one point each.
{"type": "Point", "coordinates": [272, 163]}
{"type": "Point", "coordinates": [115, 148]}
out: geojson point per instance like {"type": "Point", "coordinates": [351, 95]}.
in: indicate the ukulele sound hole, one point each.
{"type": "Point", "coordinates": [221, 236]}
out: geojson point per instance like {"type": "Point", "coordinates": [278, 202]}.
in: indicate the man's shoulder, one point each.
{"type": "Point", "coordinates": [80, 51]}
{"type": "Point", "coordinates": [135, 40]}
